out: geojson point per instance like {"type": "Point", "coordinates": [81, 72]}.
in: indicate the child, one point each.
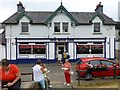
{"type": "Point", "coordinates": [45, 75]}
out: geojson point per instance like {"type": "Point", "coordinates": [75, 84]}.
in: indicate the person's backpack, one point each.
{"type": "Point", "coordinates": [68, 56]}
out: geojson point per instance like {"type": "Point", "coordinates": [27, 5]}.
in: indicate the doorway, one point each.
{"type": "Point", "coordinates": [60, 48]}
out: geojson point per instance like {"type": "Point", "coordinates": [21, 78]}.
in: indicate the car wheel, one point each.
{"type": "Point", "coordinates": [88, 76]}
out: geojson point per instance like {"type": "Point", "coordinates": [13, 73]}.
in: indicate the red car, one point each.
{"type": "Point", "coordinates": [96, 67]}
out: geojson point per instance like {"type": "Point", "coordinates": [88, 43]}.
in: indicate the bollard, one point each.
{"type": "Point", "coordinates": [114, 71]}
{"type": "Point", "coordinates": [79, 77]}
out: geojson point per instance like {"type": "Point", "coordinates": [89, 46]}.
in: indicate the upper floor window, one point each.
{"type": "Point", "coordinates": [57, 27]}
{"type": "Point", "coordinates": [61, 27]}
{"type": "Point", "coordinates": [24, 26]}
{"type": "Point", "coordinates": [96, 27]}
{"type": "Point", "coordinates": [65, 27]}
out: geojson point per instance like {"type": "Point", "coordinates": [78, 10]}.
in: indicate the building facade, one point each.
{"type": "Point", "coordinates": [32, 35]}
{"type": "Point", "coordinates": [119, 11]}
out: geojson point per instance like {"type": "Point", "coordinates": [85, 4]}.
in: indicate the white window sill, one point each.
{"type": "Point", "coordinates": [64, 33]}
{"type": "Point", "coordinates": [24, 33]}
{"type": "Point", "coordinates": [97, 33]}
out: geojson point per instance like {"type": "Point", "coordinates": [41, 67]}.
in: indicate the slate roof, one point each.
{"type": "Point", "coordinates": [2, 34]}
{"type": "Point", "coordinates": [41, 17]}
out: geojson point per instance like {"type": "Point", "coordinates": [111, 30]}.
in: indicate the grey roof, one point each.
{"type": "Point", "coordinates": [41, 17]}
{"type": "Point", "coordinates": [2, 26]}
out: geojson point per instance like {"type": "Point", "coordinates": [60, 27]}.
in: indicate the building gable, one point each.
{"type": "Point", "coordinates": [61, 9]}
{"type": "Point", "coordinates": [22, 15]}
{"type": "Point", "coordinates": [97, 14]}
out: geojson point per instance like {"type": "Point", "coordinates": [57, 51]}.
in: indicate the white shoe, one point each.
{"type": "Point", "coordinates": [65, 83]}
{"type": "Point", "coordinates": [50, 86]}
{"type": "Point", "coordinates": [68, 84]}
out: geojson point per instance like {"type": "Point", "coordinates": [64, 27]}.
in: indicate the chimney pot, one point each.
{"type": "Point", "coordinates": [20, 7]}
{"type": "Point", "coordinates": [99, 8]}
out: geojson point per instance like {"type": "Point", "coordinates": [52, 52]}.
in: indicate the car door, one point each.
{"type": "Point", "coordinates": [96, 71]}
{"type": "Point", "coordinates": [110, 68]}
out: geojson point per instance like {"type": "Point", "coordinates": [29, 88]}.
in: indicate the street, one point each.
{"type": "Point", "coordinates": [57, 78]}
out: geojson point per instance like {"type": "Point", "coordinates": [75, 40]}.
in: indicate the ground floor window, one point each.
{"type": "Point", "coordinates": [24, 49]}
{"type": "Point", "coordinates": [32, 49]}
{"type": "Point", "coordinates": [89, 49]}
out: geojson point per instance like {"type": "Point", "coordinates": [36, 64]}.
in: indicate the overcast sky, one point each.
{"type": "Point", "coordinates": [9, 7]}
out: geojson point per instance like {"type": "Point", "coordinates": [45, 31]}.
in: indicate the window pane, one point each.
{"type": "Point", "coordinates": [65, 27]}
{"type": "Point", "coordinates": [107, 63]}
{"type": "Point", "coordinates": [56, 27]}
{"type": "Point", "coordinates": [96, 49]}
{"type": "Point", "coordinates": [24, 27]}
{"type": "Point", "coordinates": [24, 49]}
{"type": "Point", "coordinates": [96, 27]}
{"type": "Point", "coordinates": [95, 62]}
{"type": "Point", "coordinates": [39, 49]}
{"type": "Point", "coordinates": [83, 49]}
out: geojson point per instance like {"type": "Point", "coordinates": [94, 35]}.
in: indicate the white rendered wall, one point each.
{"type": "Point", "coordinates": [71, 49]}
{"type": "Point", "coordinates": [11, 48]}
{"type": "Point", "coordinates": [2, 52]}
{"type": "Point", "coordinates": [34, 30]}
{"type": "Point", "coordinates": [51, 51]}
{"type": "Point", "coordinates": [61, 17]}
{"type": "Point", "coordinates": [119, 11]}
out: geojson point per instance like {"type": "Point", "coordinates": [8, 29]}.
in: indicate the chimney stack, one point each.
{"type": "Point", "coordinates": [99, 8]}
{"type": "Point", "coordinates": [20, 7]}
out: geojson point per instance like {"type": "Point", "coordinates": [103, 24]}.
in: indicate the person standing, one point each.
{"type": "Point", "coordinates": [64, 56]}
{"type": "Point", "coordinates": [67, 68]}
{"type": "Point", "coordinates": [10, 75]}
{"type": "Point", "coordinates": [47, 79]}
{"type": "Point", "coordinates": [60, 58]}
{"type": "Point", "coordinates": [38, 74]}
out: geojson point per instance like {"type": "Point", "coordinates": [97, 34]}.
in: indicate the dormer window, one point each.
{"type": "Point", "coordinates": [65, 27]}
{"type": "Point", "coordinates": [24, 27]}
{"type": "Point", "coordinates": [61, 27]}
{"type": "Point", "coordinates": [97, 27]}
{"type": "Point", "coordinates": [56, 26]}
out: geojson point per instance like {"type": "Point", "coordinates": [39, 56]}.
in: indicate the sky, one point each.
{"type": "Point", "coordinates": [9, 7]}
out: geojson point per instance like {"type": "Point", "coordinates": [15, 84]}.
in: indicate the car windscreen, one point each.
{"type": "Point", "coordinates": [79, 61]}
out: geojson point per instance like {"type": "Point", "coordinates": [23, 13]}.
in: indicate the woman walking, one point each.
{"type": "Point", "coordinates": [67, 68]}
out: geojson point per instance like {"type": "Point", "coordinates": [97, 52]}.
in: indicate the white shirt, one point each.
{"type": "Point", "coordinates": [37, 73]}
{"type": "Point", "coordinates": [59, 57]}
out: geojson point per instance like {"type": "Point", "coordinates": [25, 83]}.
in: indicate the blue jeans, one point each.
{"type": "Point", "coordinates": [42, 83]}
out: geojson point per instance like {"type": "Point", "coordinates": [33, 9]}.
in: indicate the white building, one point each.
{"type": "Point", "coordinates": [119, 11]}
{"type": "Point", "coordinates": [32, 35]}
{"type": "Point", "coordinates": [2, 47]}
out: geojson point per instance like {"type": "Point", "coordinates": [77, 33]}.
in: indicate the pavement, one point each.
{"type": "Point", "coordinates": [56, 74]}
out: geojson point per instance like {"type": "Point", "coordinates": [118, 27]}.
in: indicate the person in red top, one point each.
{"type": "Point", "coordinates": [67, 67]}
{"type": "Point", "coordinates": [10, 75]}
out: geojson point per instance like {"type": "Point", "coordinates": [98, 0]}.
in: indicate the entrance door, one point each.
{"type": "Point", "coordinates": [60, 48]}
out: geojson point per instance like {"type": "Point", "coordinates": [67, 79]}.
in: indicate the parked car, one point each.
{"type": "Point", "coordinates": [97, 67]}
